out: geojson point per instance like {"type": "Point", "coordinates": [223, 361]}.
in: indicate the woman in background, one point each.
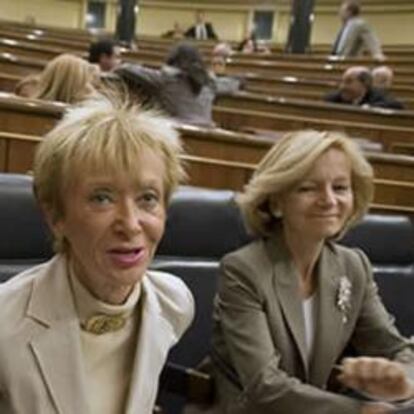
{"type": "Point", "coordinates": [67, 78]}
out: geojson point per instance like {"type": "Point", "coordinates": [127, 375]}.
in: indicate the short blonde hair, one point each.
{"type": "Point", "coordinates": [66, 78]}
{"type": "Point", "coordinates": [102, 136]}
{"type": "Point", "coordinates": [287, 163]}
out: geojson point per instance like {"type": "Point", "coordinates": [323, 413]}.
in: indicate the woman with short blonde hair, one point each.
{"type": "Point", "coordinates": [89, 331]}
{"type": "Point", "coordinates": [290, 302]}
{"type": "Point", "coordinates": [288, 162]}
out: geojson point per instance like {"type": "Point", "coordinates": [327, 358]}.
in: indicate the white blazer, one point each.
{"type": "Point", "coordinates": [41, 368]}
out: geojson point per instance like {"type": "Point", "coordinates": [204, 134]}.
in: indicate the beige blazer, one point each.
{"type": "Point", "coordinates": [357, 37]}
{"type": "Point", "coordinates": [259, 346]}
{"type": "Point", "coordinates": [41, 368]}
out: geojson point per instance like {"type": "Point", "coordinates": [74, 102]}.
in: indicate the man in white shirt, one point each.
{"type": "Point", "coordinates": [201, 30]}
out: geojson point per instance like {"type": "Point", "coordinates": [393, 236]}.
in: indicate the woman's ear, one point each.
{"type": "Point", "coordinates": [53, 220]}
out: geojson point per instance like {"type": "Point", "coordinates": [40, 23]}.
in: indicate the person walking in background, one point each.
{"type": "Point", "coordinates": [355, 35]}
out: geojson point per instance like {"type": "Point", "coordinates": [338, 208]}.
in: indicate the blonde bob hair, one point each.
{"type": "Point", "coordinates": [100, 136]}
{"type": "Point", "coordinates": [66, 78]}
{"type": "Point", "coordinates": [287, 163]}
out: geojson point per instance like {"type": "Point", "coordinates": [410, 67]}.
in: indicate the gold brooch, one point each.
{"type": "Point", "coordinates": [100, 324]}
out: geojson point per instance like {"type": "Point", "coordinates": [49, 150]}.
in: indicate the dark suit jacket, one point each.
{"type": "Point", "coordinates": [259, 337]}
{"type": "Point", "coordinates": [374, 97]}
{"type": "Point", "coordinates": [211, 34]}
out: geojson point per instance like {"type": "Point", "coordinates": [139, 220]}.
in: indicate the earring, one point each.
{"type": "Point", "coordinates": [277, 214]}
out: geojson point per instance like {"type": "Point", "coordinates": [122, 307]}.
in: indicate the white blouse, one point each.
{"type": "Point", "coordinates": [309, 310]}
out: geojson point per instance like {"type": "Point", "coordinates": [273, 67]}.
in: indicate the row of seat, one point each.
{"type": "Point", "coordinates": [202, 226]}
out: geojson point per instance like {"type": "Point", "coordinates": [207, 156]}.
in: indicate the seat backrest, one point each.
{"type": "Point", "coordinates": [25, 239]}
{"type": "Point", "coordinates": [202, 223]}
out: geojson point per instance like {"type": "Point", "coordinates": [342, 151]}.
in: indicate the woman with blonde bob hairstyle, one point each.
{"type": "Point", "coordinates": [90, 330]}
{"type": "Point", "coordinates": [293, 300]}
{"type": "Point", "coordinates": [66, 78]}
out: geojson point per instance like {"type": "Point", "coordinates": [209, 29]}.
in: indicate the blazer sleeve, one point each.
{"type": "Point", "coordinates": [266, 387]}
{"type": "Point", "coordinates": [375, 333]}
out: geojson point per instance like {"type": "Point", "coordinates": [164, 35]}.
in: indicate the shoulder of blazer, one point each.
{"type": "Point", "coordinates": [175, 300]}
{"type": "Point", "coordinates": [15, 293]}
{"type": "Point", "coordinates": [252, 265]}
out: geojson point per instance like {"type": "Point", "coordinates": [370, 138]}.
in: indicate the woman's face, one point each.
{"type": "Point", "coordinates": [113, 225]}
{"type": "Point", "coordinates": [319, 205]}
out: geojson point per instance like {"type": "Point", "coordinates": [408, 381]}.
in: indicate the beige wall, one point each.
{"type": "Point", "coordinates": [63, 13]}
{"type": "Point", "coordinates": [392, 24]}
{"type": "Point", "coordinates": [229, 24]}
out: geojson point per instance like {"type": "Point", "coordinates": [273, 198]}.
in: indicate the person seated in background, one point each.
{"type": "Point", "coordinates": [106, 54]}
{"type": "Point", "coordinates": [356, 89]}
{"type": "Point", "coordinates": [67, 78]}
{"type": "Point", "coordinates": [26, 88]}
{"type": "Point", "coordinates": [382, 77]}
{"type": "Point", "coordinates": [250, 44]}
{"type": "Point", "coordinates": [221, 52]}
{"type": "Point", "coordinates": [183, 88]}
{"type": "Point", "coordinates": [176, 33]}
{"type": "Point", "coordinates": [355, 35]}
{"type": "Point", "coordinates": [290, 302]}
{"type": "Point", "coordinates": [201, 30]}
{"type": "Point", "coordinates": [89, 331]}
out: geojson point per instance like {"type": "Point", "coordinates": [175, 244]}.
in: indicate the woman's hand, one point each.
{"type": "Point", "coordinates": [376, 408]}
{"type": "Point", "coordinates": [378, 377]}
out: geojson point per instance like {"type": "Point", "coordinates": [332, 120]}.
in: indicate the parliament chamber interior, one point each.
{"type": "Point", "coordinates": [234, 81]}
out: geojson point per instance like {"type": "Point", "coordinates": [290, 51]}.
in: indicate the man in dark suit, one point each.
{"type": "Point", "coordinates": [201, 30]}
{"type": "Point", "coordinates": [356, 89]}
{"type": "Point", "coordinates": [355, 35]}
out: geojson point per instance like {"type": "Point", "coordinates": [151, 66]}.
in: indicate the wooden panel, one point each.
{"type": "Point", "coordinates": [21, 156]}
{"type": "Point", "coordinates": [3, 155]}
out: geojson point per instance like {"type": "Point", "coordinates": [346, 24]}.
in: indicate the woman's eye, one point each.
{"type": "Point", "coordinates": [341, 188]}
{"type": "Point", "coordinates": [101, 198]}
{"type": "Point", "coordinates": [305, 188]}
{"type": "Point", "coordinates": [149, 200]}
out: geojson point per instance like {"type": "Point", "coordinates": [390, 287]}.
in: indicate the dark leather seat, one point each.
{"type": "Point", "coordinates": [25, 240]}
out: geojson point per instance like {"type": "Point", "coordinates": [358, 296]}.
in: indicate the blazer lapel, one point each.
{"type": "Point", "coordinates": [57, 347]}
{"type": "Point", "coordinates": [286, 285]}
{"type": "Point", "coordinates": [329, 326]}
{"type": "Point", "coordinates": [155, 338]}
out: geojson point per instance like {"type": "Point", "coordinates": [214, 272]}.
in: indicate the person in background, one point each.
{"type": "Point", "coordinates": [201, 30]}
{"type": "Point", "coordinates": [176, 33]}
{"type": "Point", "coordinates": [382, 77]}
{"type": "Point", "coordinates": [89, 331]}
{"type": "Point", "coordinates": [221, 52]}
{"type": "Point", "coordinates": [106, 54]}
{"type": "Point", "coordinates": [355, 35]}
{"type": "Point", "coordinates": [183, 88]}
{"type": "Point", "coordinates": [26, 88]}
{"type": "Point", "coordinates": [68, 79]}
{"type": "Point", "coordinates": [356, 89]}
{"type": "Point", "coordinates": [290, 302]}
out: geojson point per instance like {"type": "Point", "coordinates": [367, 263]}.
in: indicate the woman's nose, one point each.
{"type": "Point", "coordinates": [129, 217]}
{"type": "Point", "coordinates": [328, 196]}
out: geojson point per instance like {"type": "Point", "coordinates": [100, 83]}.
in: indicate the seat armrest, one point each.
{"type": "Point", "coordinates": [195, 386]}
